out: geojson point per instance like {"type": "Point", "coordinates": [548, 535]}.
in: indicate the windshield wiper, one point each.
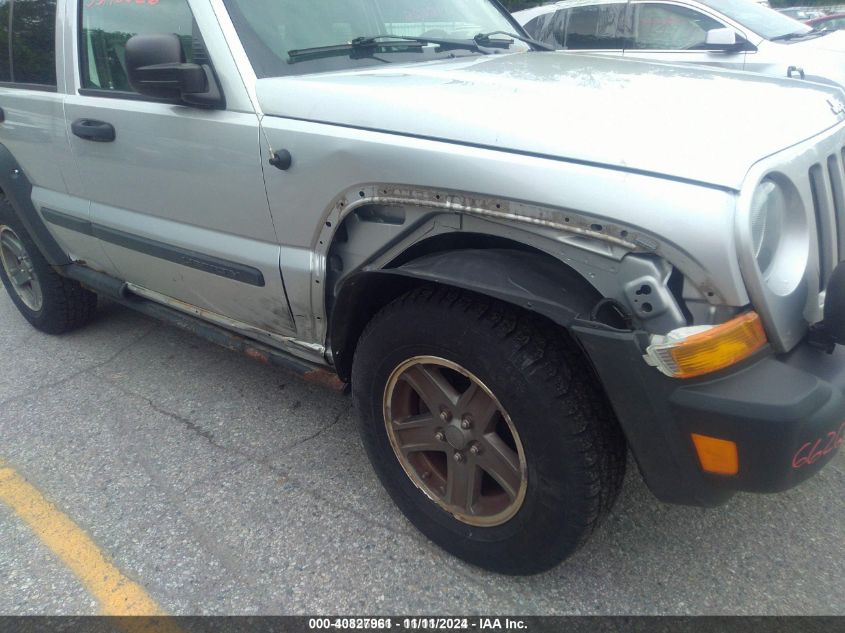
{"type": "Point", "coordinates": [485, 39]}
{"type": "Point", "coordinates": [794, 36]}
{"type": "Point", "coordinates": [825, 30]}
{"type": "Point", "coordinates": [365, 45]}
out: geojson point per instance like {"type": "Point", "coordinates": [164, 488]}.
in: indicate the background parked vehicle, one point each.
{"type": "Point", "coordinates": [834, 22]}
{"type": "Point", "coordinates": [733, 34]}
{"type": "Point", "coordinates": [803, 14]}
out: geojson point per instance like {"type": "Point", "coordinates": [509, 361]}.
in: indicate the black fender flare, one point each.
{"type": "Point", "coordinates": [531, 280]}
{"type": "Point", "coordinates": [18, 190]}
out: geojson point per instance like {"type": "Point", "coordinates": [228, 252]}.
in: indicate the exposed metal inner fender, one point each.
{"type": "Point", "coordinates": [533, 281]}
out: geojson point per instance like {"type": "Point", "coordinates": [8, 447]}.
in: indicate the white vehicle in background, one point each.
{"type": "Point", "coordinates": [802, 13]}
{"type": "Point", "coordinates": [733, 34]}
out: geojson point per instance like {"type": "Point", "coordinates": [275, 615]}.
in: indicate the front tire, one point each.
{"type": "Point", "coordinates": [51, 303]}
{"type": "Point", "coordinates": [487, 428]}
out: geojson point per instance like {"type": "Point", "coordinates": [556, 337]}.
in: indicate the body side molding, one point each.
{"type": "Point", "coordinates": [182, 256]}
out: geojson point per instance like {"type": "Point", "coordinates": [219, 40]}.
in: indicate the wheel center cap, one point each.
{"type": "Point", "coordinates": [456, 437]}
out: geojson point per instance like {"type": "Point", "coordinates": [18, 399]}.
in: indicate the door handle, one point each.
{"type": "Point", "coordinates": [794, 69]}
{"type": "Point", "coordinates": [91, 130]}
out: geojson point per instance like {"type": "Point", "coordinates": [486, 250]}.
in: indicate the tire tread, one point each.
{"type": "Point", "coordinates": [544, 353]}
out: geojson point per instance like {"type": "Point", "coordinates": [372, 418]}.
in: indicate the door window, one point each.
{"type": "Point", "coordinates": [549, 28]}
{"type": "Point", "coordinates": [5, 57]}
{"type": "Point", "coordinates": [595, 27]}
{"type": "Point", "coordinates": [28, 42]}
{"type": "Point", "coordinates": [671, 27]}
{"type": "Point", "coordinates": [34, 42]}
{"type": "Point", "coordinates": [832, 24]}
{"type": "Point", "coordinates": [106, 26]}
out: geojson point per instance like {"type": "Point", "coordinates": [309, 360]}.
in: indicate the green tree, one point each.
{"type": "Point", "coordinates": [517, 5]}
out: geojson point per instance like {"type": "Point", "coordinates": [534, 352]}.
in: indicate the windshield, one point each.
{"type": "Point", "coordinates": [763, 21]}
{"type": "Point", "coordinates": [271, 29]}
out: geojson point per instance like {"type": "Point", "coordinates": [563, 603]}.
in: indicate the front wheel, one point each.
{"type": "Point", "coordinates": [487, 428]}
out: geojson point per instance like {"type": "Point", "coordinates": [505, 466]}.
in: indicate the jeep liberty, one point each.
{"type": "Point", "coordinates": [525, 264]}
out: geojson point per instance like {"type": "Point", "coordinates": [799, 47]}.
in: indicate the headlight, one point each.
{"type": "Point", "coordinates": [768, 210]}
{"type": "Point", "coordinates": [779, 235]}
{"type": "Point", "coordinates": [775, 250]}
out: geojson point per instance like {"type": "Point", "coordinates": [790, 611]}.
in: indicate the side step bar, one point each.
{"type": "Point", "coordinates": [118, 292]}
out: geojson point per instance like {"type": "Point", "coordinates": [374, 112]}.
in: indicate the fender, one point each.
{"type": "Point", "coordinates": [531, 280]}
{"type": "Point", "coordinates": [18, 190]}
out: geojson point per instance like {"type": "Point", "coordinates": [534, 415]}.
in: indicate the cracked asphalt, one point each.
{"type": "Point", "coordinates": [225, 487]}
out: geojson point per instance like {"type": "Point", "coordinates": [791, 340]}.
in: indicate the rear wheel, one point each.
{"type": "Point", "coordinates": [487, 428]}
{"type": "Point", "coordinates": [50, 302]}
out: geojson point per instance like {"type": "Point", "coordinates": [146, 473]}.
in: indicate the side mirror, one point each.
{"type": "Point", "coordinates": [723, 40]}
{"type": "Point", "coordinates": [156, 68]}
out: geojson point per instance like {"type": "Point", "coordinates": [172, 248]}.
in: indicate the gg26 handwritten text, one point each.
{"type": "Point", "coordinates": [813, 451]}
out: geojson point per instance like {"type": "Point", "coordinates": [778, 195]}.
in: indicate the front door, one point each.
{"type": "Point", "coordinates": [177, 196]}
{"type": "Point", "coordinates": [674, 33]}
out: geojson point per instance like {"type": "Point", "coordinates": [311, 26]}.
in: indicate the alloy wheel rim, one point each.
{"type": "Point", "coordinates": [455, 441]}
{"type": "Point", "coordinates": [17, 264]}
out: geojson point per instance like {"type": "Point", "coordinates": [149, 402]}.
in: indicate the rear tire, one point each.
{"type": "Point", "coordinates": [50, 302]}
{"type": "Point", "coordinates": [558, 454]}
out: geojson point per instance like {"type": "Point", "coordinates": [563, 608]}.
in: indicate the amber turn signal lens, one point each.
{"type": "Point", "coordinates": [705, 351]}
{"type": "Point", "coordinates": [717, 456]}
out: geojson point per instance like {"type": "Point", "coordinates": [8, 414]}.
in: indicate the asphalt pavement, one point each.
{"type": "Point", "coordinates": [222, 486]}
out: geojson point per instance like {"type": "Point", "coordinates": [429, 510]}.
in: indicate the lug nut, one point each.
{"type": "Point", "coordinates": [475, 449]}
{"type": "Point", "coordinates": [459, 457]}
{"type": "Point", "coordinates": [440, 436]}
{"type": "Point", "coordinates": [446, 416]}
{"type": "Point", "coordinates": [466, 423]}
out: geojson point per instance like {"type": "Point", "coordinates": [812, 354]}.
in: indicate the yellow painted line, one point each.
{"type": "Point", "coordinates": [116, 594]}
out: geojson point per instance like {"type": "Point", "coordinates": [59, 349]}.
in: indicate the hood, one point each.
{"type": "Point", "coordinates": [820, 57]}
{"type": "Point", "coordinates": [833, 42]}
{"type": "Point", "coordinates": [685, 122]}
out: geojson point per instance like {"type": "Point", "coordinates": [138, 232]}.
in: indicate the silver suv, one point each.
{"type": "Point", "coordinates": [524, 263]}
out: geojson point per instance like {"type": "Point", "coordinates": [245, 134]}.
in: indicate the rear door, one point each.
{"type": "Point", "coordinates": [177, 198]}
{"type": "Point", "coordinates": [675, 33]}
{"type": "Point", "coordinates": [32, 124]}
